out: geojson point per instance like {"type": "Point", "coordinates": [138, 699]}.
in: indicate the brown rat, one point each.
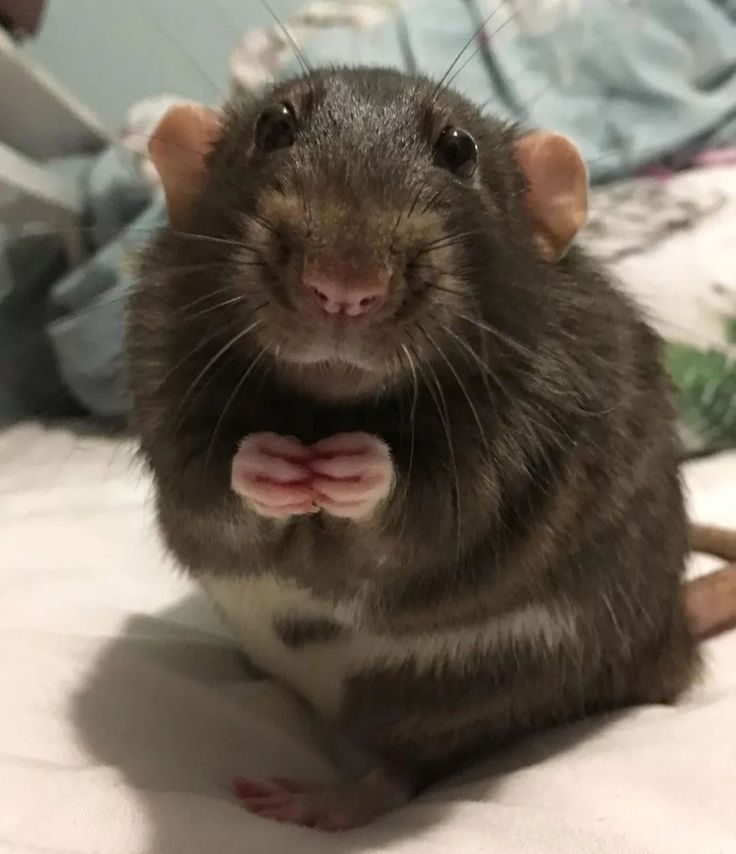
{"type": "Point", "coordinates": [419, 451]}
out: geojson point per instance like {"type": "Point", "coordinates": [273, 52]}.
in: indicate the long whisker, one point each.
{"type": "Point", "coordinates": [436, 287]}
{"type": "Point", "coordinates": [408, 215]}
{"type": "Point", "coordinates": [263, 222]}
{"type": "Point", "coordinates": [482, 45]}
{"type": "Point", "coordinates": [432, 203]}
{"type": "Point", "coordinates": [238, 386]}
{"type": "Point", "coordinates": [201, 344]}
{"type": "Point", "coordinates": [169, 36]}
{"type": "Point", "coordinates": [441, 407]}
{"type": "Point", "coordinates": [203, 267]}
{"type": "Point", "coordinates": [298, 52]}
{"type": "Point", "coordinates": [446, 241]}
{"type": "Point", "coordinates": [304, 199]}
{"type": "Point", "coordinates": [220, 353]}
{"type": "Point", "coordinates": [204, 297]}
{"type": "Point", "coordinates": [412, 425]}
{"type": "Point", "coordinates": [467, 44]}
{"type": "Point", "coordinates": [207, 238]}
{"type": "Point", "coordinates": [460, 383]}
{"type": "Point", "coordinates": [237, 299]}
{"type": "Point", "coordinates": [487, 374]}
{"type": "Point", "coordinates": [499, 336]}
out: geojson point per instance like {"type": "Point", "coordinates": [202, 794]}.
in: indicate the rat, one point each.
{"type": "Point", "coordinates": [413, 443]}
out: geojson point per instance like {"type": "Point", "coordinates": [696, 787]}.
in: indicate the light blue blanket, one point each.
{"type": "Point", "coordinates": [632, 81]}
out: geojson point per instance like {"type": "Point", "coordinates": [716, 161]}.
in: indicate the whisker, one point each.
{"type": "Point", "coordinates": [442, 288]}
{"type": "Point", "coordinates": [263, 222]}
{"type": "Point", "coordinates": [412, 425]}
{"type": "Point", "coordinates": [444, 418]}
{"type": "Point", "coordinates": [169, 36]}
{"type": "Point", "coordinates": [304, 199]}
{"type": "Point", "coordinates": [530, 422]}
{"type": "Point", "coordinates": [499, 336]}
{"type": "Point", "coordinates": [485, 370]}
{"type": "Point", "coordinates": [428, 265]}
{"type": "Point", "coordinates": [220, 353]}
{"type": "Point", "coordinates": [236, 299]}
{"type": "Point", "coordinates": [460, 383]}
{"type": "Point", "coordinates": [447, 240]}
{"type": "Point", "coordinates": [238, 386]}
{"type": "Point", "coordinates": [401, 214]}
{"type": "Point", "coordinates": [298, 52]}
{"type": "Point", "coordinates": [431, 204]}
{"type": "Point", "coordinates": [204, 267]}
{"type": "Point", "coordinates": [204, 298]}
{"type": "Point", "coordinates": [215, 333]}
{"type": "Point", "coordinates": [482, 45]}
{"type": "Point", "coordinates": [467, 44]}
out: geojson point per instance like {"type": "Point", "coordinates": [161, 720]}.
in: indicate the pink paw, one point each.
{"type": "Point", "coordinates": [338, 807]}
{"type": "Point", "coordinates": [352, 474]}
{"type": "Point", "coordinates": [270, 472]}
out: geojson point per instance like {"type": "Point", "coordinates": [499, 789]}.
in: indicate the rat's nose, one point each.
{"type": "Point", "coordinates": [351, 296]}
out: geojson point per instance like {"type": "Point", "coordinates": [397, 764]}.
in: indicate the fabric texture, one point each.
{"type": "Point", "coordinates": [671, 245]}
{"type": "Point", "coordinates": [127, 708]}
{"type": "Point", "coordinates": [631, 81]}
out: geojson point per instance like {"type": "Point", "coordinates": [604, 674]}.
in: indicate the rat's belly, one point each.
{"type": "Point", "coordinates": [315, 645]}
{"type": "Point", "coordinates": [309, 643]}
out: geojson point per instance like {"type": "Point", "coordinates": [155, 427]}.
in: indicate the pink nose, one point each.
{"type": "Point", "coordinates": [353, 297]}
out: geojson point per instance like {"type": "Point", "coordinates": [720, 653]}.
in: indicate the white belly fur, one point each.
{"type": "Point", "coordinates": [318, 671]}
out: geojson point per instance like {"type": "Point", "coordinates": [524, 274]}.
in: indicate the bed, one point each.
{"type": "Point", "coordinates": [127, 708]}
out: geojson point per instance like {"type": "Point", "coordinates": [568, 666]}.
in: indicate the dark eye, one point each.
{"type": "Point", "coordinates": [276, 128]}
{"type": "Point", "coordinates": [456, 151]}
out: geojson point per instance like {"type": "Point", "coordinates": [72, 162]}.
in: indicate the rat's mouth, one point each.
{"type": "Point", "coordinates": [330, 346]}
{"type": "Point", "coordinates": [330, 368]}
{"type": "Point", "coordinates": [335, 379]}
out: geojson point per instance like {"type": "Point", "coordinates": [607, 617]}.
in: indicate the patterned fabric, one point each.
{"type": "Point", "coordinates": [633, 82]}
{"type": "Point", "coordinates": [671, 243]}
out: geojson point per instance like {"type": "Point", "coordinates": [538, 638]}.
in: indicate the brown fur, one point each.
{"type": "Point", "coordinates": [569, 493]}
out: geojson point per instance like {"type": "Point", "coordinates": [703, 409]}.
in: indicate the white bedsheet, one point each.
{"type": "Point", "coordinates": [126, 709]}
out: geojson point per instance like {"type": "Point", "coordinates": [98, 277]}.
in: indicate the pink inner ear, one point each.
{"type": "Point", "coordinates": [178, 148]}
{"type": "Point", "coordinates": [557, 198]}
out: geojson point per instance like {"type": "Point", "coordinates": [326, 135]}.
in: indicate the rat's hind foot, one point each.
{"type": "Point", "coordinates": [340, 806]}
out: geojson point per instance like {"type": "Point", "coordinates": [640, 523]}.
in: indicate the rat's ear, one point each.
{"type": "Point", "coordinates": [557, 197]}
{"type": "Point", "coordinates": [178, 149]}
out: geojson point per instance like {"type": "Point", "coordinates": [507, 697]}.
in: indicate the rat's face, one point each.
{"type": "Point", "coordinates": [363, 221]}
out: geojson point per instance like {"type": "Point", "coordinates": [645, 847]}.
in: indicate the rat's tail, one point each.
{"type": "Point", "coordinates": [710, 601]}
{"type": "Point", "coordinates": [709, 540]}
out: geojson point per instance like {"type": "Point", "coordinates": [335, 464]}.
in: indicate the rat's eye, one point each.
{"type": "Point", "coordinates": [276, 128]}
{"type": "Point", "coordinates": [456, 151]}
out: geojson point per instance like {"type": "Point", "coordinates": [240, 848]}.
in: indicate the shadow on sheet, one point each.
{"type": "Point", "coordinates": [178, 710]}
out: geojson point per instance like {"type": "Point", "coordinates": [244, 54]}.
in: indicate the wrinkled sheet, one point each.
{"type": "Point", "coordinates": [126, 708]}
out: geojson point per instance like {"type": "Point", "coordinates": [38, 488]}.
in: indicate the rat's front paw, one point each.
{"type": "Point", "coordinates": [270, 473]}
{"type": "Point", "coordinates": [353, 473]}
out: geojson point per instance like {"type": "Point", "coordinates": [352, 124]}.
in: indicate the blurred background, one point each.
{"type": "Point", "coordinates": [115, 53]}
{"type": "Point", "coordinates": [646, 88]}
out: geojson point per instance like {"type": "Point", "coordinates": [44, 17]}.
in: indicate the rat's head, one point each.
{"type": "Point", "coordinates": [361, 216]}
